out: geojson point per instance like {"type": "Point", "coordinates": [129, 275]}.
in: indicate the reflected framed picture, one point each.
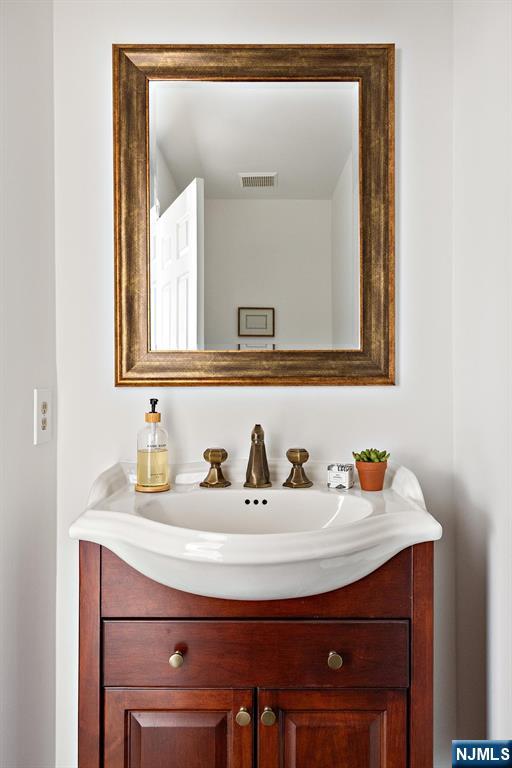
{"type": "Point", "coordinates": [248, 345]}
{"type": "Point", "coordinates": [256, 321]}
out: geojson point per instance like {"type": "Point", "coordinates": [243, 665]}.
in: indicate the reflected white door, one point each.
{"type": "Point", "coordinates": [177, 269]}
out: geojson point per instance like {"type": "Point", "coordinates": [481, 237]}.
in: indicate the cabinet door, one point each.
{"type": "Point", "coordinates": [333, 729]}
{"type": "Point", "coordinates": [177, 728]}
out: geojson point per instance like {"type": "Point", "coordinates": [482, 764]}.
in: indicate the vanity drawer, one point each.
{"type": "Point", "coordinates": [256, 653]}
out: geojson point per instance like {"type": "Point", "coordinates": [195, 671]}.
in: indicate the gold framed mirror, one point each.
{"type": "Point", "coordinates": [254, 224]}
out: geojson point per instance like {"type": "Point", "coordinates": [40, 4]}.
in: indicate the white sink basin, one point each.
{"type": "Point", "coordinates": [273, 510]}
{"type": "Point", "coordinates": [246, 544]}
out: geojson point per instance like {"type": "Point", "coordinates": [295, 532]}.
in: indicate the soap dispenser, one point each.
{"type": "Point", "coordinates": [152, 454]}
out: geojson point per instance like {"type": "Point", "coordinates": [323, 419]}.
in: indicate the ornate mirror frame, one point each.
{"type": "Point", "coordinates": [133, 68]}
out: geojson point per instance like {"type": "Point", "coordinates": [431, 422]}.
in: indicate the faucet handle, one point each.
{"type": "Point", "coordinates": [297, 455]}
{"type": "Point", "coordinates": [297, 477]}
{"type": "Point", "coordinates": [215, 478]}
{"type": "Point", "coordinates": [215, 455]}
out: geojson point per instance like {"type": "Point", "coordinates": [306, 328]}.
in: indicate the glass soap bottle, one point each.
{"type": "Point", "coordinates": [152, 454]}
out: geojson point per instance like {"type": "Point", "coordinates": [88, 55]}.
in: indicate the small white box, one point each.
{"type": "Point", "coordinates": [340, 476]}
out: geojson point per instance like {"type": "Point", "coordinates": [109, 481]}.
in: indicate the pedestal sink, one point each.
{"type": "Point", "coordinates": [264, 544]}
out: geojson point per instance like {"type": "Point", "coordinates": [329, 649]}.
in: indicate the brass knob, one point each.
{"type": "Point", "coordinates": [297, 477]}
{"type": "Point", "coordinates": [215, 455]}
{"type": "Point", "coordinates": [215, 478]}
{"type": "Point", "coordinates": [334, 660]}
{"type": "Point", "coordinates": [297, 455]}
{"type": "Point", "coordinates": [243, 716]}
{"type": "Point", "coordinates": [176, 660]}
{"type": "Point", "coordinates": [268, 716]}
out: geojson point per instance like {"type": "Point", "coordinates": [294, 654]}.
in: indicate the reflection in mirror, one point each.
{"type": "Point", "coordinates": [254, 215]}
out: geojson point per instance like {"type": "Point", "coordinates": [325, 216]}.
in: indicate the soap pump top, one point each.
{"type": "Point", "coordinates": [153, 417]}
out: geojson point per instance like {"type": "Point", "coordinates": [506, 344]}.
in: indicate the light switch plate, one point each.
{"type": "Point", "coordinates": [42, 416]}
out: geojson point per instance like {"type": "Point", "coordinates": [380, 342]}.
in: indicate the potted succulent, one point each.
{"type": "Point", "coordinates": [371, 466]}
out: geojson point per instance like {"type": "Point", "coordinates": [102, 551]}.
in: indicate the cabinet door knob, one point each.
{"type": "Point", "coordinates": [176, 660]}
{"type": "Point", "coordinates": [243, 716]}
{"type": "Point", "coordinates": [334, 660]}
{"type": "Point", "coordinates": [268, 716]}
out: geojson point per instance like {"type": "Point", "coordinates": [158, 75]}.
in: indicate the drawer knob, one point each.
{"type": "Point", "coordinates": [176, 659]}
{"type": "Point", "coordinates": [334, 660]}
{"type": "Point", "coordinates": [243, 716]}
{"type": "Point", "coordinates": [268, 716]}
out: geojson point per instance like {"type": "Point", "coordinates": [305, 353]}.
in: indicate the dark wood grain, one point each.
{"type": "Point", "coordinates": [421, 694]}
{"type": "Point", "coordinates": [372, 66]}
{"type": "Point", "coordinates": [386, 593]}
{"type": "Point", "coordinates": [190, 729]}
{"type": "Point", "coordinates": [262, 653]}
{"type": "Point", "coordinates": [187, 739]}
{"type": "Point", "coordinates": [89, 689]}
{"type": "Point", "coordinates": [256, 653]}
{"type": "Point", "coordinates": [360, 729]}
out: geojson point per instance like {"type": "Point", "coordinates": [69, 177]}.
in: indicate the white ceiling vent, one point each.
{"type": "Point", "coordinates": [258, 180]}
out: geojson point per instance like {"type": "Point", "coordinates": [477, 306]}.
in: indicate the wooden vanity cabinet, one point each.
{"type": "Point", "coordinates": [138, 711]}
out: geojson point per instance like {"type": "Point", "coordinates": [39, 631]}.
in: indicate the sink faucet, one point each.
{"type": "Point", "coordinates": [257, 475]}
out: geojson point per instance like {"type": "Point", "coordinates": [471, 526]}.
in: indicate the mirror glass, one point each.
{"type": "Point", "coordinates": [254, 215]}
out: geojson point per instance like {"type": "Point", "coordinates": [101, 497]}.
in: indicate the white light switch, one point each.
{"type": "Point", "coordinates": [42, 416]}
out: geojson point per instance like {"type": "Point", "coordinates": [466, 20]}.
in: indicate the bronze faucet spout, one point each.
{"type": "Point", "coordinates": [257, 475]}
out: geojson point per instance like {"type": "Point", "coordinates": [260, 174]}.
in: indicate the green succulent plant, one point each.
{"type": "Point", "coordinates": [371, 455]}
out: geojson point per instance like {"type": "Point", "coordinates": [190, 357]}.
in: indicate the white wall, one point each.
{"type": "Point", "coordinates": [98, 423]}
{"type": "Point", "coordinates": [345, 260]}
{"type": "Point", "coordinates": [482, 323]}
{"type": "Point", "coordinates": [162, 185]}
{"type": "Point", "coordinates": [254, 250]}
{"type": "Point", "coordinates": [27, 355]}
{"type": "Point", "coordinates": [166, 188]}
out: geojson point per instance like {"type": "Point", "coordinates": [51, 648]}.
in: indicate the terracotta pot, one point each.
{"type": "Point", "coordinates": [371, 474]}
